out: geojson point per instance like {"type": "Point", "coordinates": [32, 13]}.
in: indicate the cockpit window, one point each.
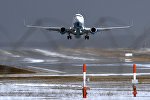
{"type": "Point", "coordinates": [79, 15]}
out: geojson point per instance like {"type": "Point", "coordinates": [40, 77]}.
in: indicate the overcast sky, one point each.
{"type": "Point", "coordinates": [13, 12]}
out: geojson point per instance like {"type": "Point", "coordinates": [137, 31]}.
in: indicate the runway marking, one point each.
{"type": "Point", "coordinates": [128, 60]}
{"type": "Point", "coordinates": [55, 54]}
{"type": "Point", "coordinates": [31, 60]}
{"type": "Point", "coordinates": [113, 74]}
{"type": "Point", "coordinates": [70, 75]}
{"type": "Point", "coordinates": [44, 69]}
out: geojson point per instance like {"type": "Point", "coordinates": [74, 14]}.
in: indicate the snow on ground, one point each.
{"type": "Point", "coordinates": [16, 90]}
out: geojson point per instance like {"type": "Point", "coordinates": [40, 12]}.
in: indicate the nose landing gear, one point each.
{"type": "Point", "coordinates": [86, 37]}
{"type": "Point", "coordinates": [69, 37]}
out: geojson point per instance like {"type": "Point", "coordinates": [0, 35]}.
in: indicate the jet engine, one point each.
{"type": "Point", "coordinates": [63, 30]}
{"type": "Point", "coordinates": [93, 30]}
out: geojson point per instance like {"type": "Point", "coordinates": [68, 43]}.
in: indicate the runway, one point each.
{"type": "Point", "coordinates": [70, 61]}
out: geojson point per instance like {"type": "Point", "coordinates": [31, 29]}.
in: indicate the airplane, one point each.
{"type": "Point", "coordinates": [78, 29]}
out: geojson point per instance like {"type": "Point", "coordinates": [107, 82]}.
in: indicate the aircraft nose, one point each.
{"type": "Point", "coordinates": [77, 25]}
{"type": "Point", "coordinates": [77, 19]}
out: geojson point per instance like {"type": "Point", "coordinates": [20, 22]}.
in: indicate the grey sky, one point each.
{"type": "Point", "coordinates": [13, 12]}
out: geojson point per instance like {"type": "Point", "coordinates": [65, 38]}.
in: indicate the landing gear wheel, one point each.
{"type": "Point", "coordinates": [69, 37]}
{"type": "Point", "coordinates": [86, 37]}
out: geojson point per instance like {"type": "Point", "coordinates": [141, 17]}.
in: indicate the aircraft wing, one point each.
{"type": "Point", "coordinates": [94, 30]}
{"type": "Point", "coordinates": [45, 27]}
{"type": "Point", "coordinates": [110, 28]}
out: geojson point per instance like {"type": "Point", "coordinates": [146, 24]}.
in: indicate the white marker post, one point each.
{"type": "Point", "coordinates": [84, 82]}
{"type": "Point", "coordinates": [134, 81]}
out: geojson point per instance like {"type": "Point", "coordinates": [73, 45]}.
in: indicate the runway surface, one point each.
{"type": "Point", "coordinates": [69, 61]}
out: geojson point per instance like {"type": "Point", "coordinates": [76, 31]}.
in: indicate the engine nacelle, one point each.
{"type": "Point", "coordinates": [63, 30]}
{"type": "Point", "coordinates": [93, 30]}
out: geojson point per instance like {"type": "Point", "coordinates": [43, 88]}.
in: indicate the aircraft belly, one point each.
{"type": "Point", "coordinates": [78, 33]}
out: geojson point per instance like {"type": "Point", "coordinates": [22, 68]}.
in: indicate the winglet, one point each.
{"type": "Point", "coordinates": [24, 22]}
{"type": "Point", "coordinates": [131, 23]}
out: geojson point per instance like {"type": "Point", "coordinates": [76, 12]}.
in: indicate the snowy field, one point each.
{"type": "Point", "coordinates": [39, 90]}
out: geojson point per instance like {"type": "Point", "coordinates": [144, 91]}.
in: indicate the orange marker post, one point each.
{"type": "Point", "coordinates": [84, 82]}
{"type": "Point", "coordinates": [134, 71]}
{"type": "Point", "coordinates": [134, 81]}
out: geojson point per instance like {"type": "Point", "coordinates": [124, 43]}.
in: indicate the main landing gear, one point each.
{"type": "Point", "coordinates": [86, 37]}
{"type": "Point", "coordinates": [69, 37]}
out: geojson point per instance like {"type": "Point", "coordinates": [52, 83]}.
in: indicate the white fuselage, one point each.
{"type": "Point", "coordinates": [78, 25]}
